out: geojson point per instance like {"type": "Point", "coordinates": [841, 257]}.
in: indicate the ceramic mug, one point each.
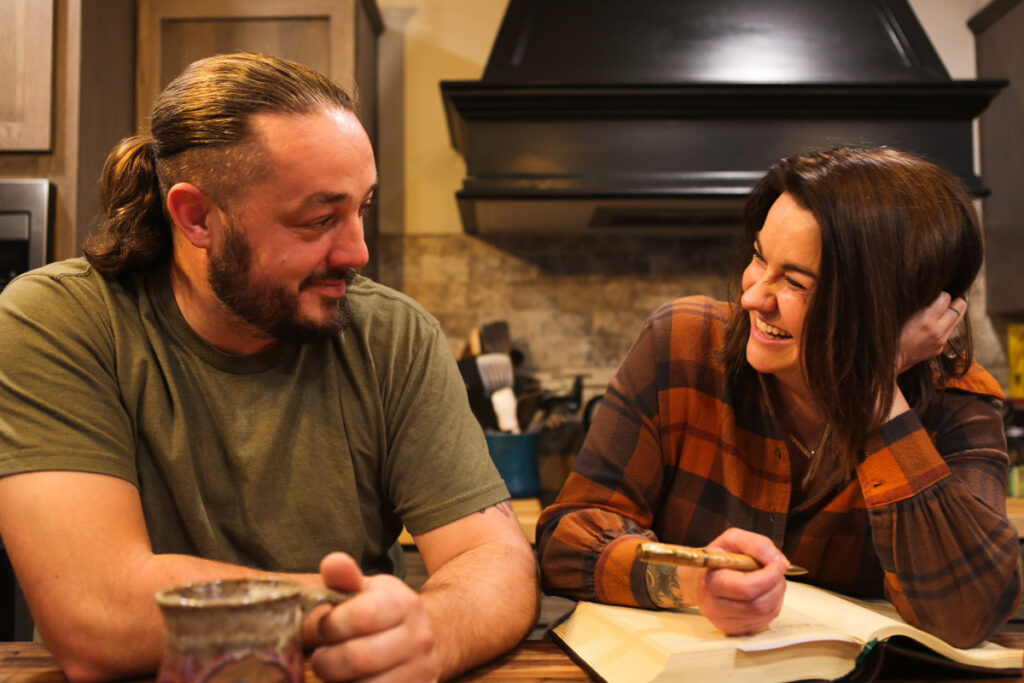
{"type": "Point", "coordinates": [236, 629]}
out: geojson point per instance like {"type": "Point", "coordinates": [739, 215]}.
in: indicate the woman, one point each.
{"type": "Point", "coordinates": [823, 419]}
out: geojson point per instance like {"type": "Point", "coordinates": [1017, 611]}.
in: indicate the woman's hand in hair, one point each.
{"type": "Point", "coordinates": [925, 334]}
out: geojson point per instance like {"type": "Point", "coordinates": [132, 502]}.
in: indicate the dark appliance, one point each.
{"type": "Point", "coordinates": [26, 213]}
{"type": "Point", "coordinates": [662, 113]}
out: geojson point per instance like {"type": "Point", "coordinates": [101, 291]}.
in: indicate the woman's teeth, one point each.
{"type": "Point", "coordinates": [770, 330]}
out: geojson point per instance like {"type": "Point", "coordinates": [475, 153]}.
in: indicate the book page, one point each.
{"type": "Point", "coordinates": [628, 645]}
{"type": "Point", "coordinates": [790, 628]}
{"type": "Point", "coordinates": [684, 629]}
{"type": "Point", "coordinates": [879, 620]}
{"type": "Point", "coordinates": [853, 617]}
{"type": "Point", "coordinates": [816, 631]}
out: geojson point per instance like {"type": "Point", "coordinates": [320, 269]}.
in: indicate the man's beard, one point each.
{"type": "Point", "coordinates": [265, 305]}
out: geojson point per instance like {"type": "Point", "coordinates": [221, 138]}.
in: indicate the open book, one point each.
{"type": "Point", "coordinates": [818, 635]}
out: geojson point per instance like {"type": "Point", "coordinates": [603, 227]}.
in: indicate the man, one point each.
{"type": "Point", "coordinates": [215, 392]}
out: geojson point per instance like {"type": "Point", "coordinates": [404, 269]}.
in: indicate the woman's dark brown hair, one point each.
{"type": "Point", "coordinates": [199, 133]}
{"type": "Point", "coordinates": [896, 231]}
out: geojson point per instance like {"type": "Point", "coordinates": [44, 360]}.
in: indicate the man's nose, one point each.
{"type": "Point", "coordinates": [349, 249]}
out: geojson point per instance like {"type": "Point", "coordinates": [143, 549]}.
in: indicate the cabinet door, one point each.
{"type": "Point", "coordinates": [26, 75]}
{"type": "Point", "coordinates": [998, 29]}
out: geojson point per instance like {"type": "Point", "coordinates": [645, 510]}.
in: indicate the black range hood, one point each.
{"type": "Point", "coordinates": [661, 114]}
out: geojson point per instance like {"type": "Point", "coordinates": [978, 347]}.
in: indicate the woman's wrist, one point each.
{"type": "Point", "coordinates": [670, 586]}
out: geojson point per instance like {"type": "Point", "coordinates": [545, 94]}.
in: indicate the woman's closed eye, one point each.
{"type": "Point", "coordinates": [796, 284]}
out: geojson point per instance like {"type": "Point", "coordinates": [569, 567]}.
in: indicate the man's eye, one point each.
{"type": "Point", "coordinates": [364, 208]}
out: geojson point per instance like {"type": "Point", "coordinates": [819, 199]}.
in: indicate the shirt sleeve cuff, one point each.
{"type": "Point", "coordinates": [899, 462]}
{"type": "Point", "coordinates": [619, 577]}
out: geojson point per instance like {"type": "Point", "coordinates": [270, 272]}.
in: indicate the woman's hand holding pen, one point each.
{"type": "Point", "coordinates": [736, 601]}
{"type": "Point", "coordinates": [743, 602]}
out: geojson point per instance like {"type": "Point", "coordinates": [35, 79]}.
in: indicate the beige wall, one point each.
{"type": "Point", "coordinates": [441, 40]}
{"type": "Point", "coordinates": [945, 22]}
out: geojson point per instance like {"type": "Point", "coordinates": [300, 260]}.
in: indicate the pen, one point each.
{"type": "Point", "coordinates": [681, 555]}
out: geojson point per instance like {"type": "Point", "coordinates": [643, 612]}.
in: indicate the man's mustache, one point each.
{"type": "Point", "coordinates": [333, 275]}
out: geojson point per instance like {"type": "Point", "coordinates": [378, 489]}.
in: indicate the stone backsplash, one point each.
{"type": "Point", "coordinates": [574, 304]}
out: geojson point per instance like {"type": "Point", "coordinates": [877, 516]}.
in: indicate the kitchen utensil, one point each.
{"type": "Point", "coordinates": [504, 403]}
{"type": "Point", "coordinates": [526, 408]}
{"type": "Point", "coordinates": [479, 398]}
{"type": "Point", "coordinates": [496, 376]}
{"type": "Point", "coordinates": [570, 401]}
{"type": "Point", "coordinates": [495, 371]}
{"type": "Point", "coordinates": [495, 338]}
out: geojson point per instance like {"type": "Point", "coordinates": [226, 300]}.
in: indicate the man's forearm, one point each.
{"type": "Point", "coordinates": [481, 604]}
{"type": "Point", "coordinates": [120, 634]}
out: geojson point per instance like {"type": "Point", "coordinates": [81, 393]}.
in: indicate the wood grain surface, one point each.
{"type": "Point", "coordinates": [532, 661]}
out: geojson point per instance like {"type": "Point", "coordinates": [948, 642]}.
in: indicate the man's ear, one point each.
{"type": "Point", "coordinates": [191, 210]}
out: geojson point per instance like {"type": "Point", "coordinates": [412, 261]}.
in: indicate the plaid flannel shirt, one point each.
{"type": "Point", "coordinates": [677, 453]}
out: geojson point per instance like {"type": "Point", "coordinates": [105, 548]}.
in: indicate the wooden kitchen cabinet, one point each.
{"type": "Point", "coordinates": [26, 75]}
{"type": "Point", "coordinates": [998, 28]}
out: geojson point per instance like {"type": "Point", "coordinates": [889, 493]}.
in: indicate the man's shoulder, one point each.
{"type": "Point", "coordinates": [67, 284]}
{"type": "Point", "coordinates": [59, 270]}
{"type": "Point", "coordinates": [373, 303]}
{"type": "Point", "coordinates": [53, 282]}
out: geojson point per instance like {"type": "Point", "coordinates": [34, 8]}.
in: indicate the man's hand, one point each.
{"type": "Point", "coordinates": [383, 630]}
{"type": "Point", "coordinates": [480, 599]}
{"type": "Point", "coordinates": [925, 334]}
{"type": "Point", "coordinates": [743, 602]}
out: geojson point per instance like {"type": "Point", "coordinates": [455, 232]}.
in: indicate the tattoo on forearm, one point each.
{"type": "Point", "coordinates": [503, 507]}
{"type": "Point", "coordinates": [663, 586]}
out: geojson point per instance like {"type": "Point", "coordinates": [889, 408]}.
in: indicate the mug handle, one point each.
{"type": "Point", "coordinates": [318, 596]}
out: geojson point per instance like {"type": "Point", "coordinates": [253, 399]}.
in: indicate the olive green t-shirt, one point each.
{"type": "Point", "coordinates": [270, 460]}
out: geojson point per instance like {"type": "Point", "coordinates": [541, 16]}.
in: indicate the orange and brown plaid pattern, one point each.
{"type": "Point", "coordinates": [679, 452]}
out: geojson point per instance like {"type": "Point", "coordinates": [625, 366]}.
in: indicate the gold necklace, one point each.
{"type": "Point", "coordinates": [808, 452]}
{"type": "Point", "coordinates": [770, 401]}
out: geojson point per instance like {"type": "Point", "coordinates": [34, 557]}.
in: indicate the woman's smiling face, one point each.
{"type": "Point", "coordinates": [777, 287]}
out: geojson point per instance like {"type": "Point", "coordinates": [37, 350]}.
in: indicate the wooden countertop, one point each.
{"type": "Point", "coordinates": [1015, 513]}
{"type": "Point", "coordinates": [531, 661]}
